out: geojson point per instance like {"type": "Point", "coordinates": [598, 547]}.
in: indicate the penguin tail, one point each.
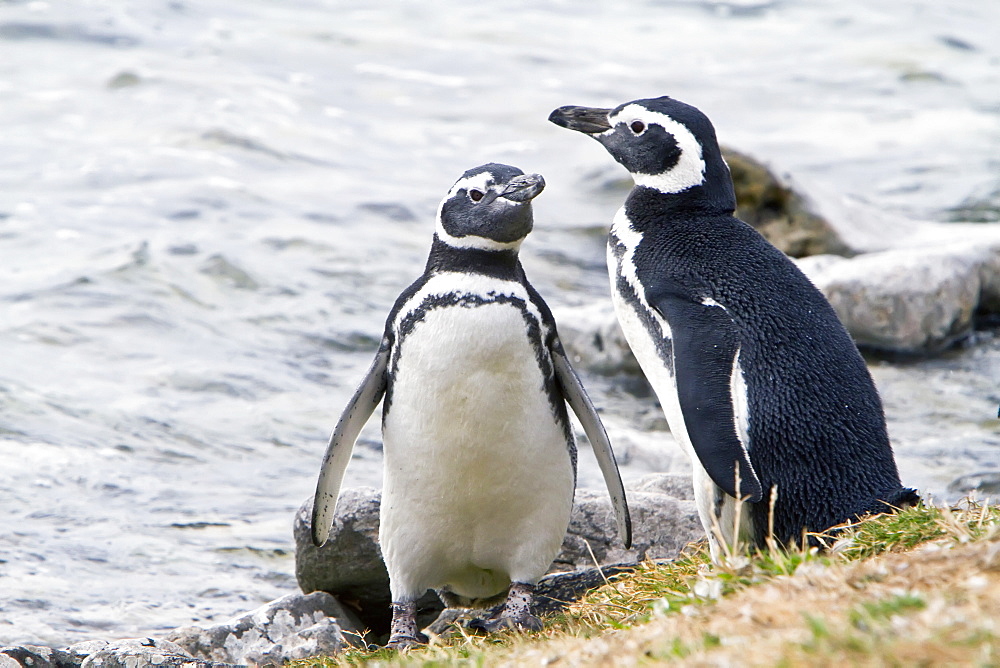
{"type": "Point", "coordinates": [904, 497]}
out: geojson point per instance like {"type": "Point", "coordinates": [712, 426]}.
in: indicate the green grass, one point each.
{"type": "Point", "coordinates": [655, 590]}
{"type": "Point", "coordinates": [869, 613]}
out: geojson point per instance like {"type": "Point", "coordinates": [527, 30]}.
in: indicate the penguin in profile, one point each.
{"type": "Point", "coordinates": [480, 456]}
{"type": "Point", "coordinates": [759, 380]}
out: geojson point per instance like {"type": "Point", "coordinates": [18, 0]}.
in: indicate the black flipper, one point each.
{"type": "Point", "coordinates": [705, 347]}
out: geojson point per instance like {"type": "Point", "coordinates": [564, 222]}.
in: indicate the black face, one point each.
{"type": "Point", "coordinates": [630, 132]}
{"type": "Point", "coordinates": [492, 201]}
{"type": "Point", "coordinates": [641, 148]}
{"type": "Point", "coordinates": [665, 144]}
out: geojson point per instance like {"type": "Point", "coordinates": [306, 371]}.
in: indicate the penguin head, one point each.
{"type": "Point", "coordinates": [665, 144]}
{"type": "Point", "coordinates": [489, 208]}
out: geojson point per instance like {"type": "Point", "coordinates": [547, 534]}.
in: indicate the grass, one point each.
{"type": "Point", "coordinates": [872, 598]}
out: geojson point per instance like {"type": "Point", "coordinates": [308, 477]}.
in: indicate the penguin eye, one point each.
{"type": "Point", "coordinates": [475, 195]}
{"type": "Point", "coordinates": [637, 127]}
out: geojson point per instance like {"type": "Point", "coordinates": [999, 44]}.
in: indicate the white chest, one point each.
{"type": "Point", "coordinates": [478, 481]}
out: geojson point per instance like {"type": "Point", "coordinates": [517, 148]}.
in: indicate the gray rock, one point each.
{"type": "Point", "coordinates": [910, 300]}
{"type": "Point", "coordinates": [292, 627]}
{"type": "Point", "coordinates": [134, 653]}
{"type": "Point", "coordinates": [33, 656]}
{"type": "Point", "coordinates": [593, 339]}
{"type": "Point", "coordinates": [916, 299]}
{"type": "Point", "coordinates": [677, 485]}
{"type": "Point", "coordinates": [81, 650]}
{"type": "Point", "coordinates": [350, 564]}
{"type": "Point", "coordinates": [661, 526]}
{"type": "Point", "coordinates": [131, 653]}
{"type": "Point", "coordinates": [984, 484]}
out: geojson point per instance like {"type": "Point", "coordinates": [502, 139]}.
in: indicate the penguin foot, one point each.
{"type": "Point", "coordinates": [403, 632]}
{"type": "Point", "coordinates": [515, 613]}
{"type": "Point", "coordinates": [402, 643]}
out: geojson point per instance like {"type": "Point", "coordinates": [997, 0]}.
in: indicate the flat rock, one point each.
{"type": "Point", "coordinates": [914, 300]}
{"type": "Point", "coordinates": [129, 653]}
{"type": "Point", "coordinates": [918, 299]}
{"type": "Point", "coordinates": [292, 627]}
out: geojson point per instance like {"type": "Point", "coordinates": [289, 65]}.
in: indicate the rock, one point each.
{"type": "Point", "coordinates": [594, 340]}
{"type": "Point", "coordinates": [350, 564]}
{"type": "Point", "coordinates": [32, 656]}
{"type": "Point", "coordinates": [677, 485]}
{"type": "Point", "coordinates": [131, 653]}
{"type": "Point", "coordinates": [772, 205]}
{"type": "Point", "coordinates": [134, 653]}
{"type": "Point", "coordinates": [910, 300]}
{"type": "Point", "coordinates": [919, 298]}
{"type": "Point", "coordinates": [984, 484]}
{"type": "Point", "coordinates": [292, 627]}
{"type": "Point", "coordinates": [661, 526]}
{"type": "Point", "coordinates": [785, 218]}
{"type": "Point", "coordinates": [553, 593]}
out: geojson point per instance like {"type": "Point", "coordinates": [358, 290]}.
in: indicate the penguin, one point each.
{"type": "Point", "coordinates": [479, 454]}
{"type": "Point", "coordinates": [759, 381]}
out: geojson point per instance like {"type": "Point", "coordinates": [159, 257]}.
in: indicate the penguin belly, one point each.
{"type": "Point", "coordinates": [651, 345]}
{"type": "Point", "coordinates": [478, 482]}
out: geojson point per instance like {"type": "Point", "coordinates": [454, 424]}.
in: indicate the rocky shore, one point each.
{"type": "Point", "coordinates": [914, 295]}
{"type": "Point", "coordinates": [346, 588]}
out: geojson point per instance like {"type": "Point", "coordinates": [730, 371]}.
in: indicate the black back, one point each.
{"type": "Point", "coordinates": [817, 429]}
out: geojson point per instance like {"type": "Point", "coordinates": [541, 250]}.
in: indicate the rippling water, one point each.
{"type": "Point", "coordinates": [206, 210]}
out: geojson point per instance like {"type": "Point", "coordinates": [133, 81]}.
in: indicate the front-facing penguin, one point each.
{"type": "Point", "coordinates": [480, 457]}
{"type": "Point", "coordinates": [758, 379]}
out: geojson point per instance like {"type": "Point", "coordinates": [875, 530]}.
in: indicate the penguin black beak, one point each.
{"type": "Point", "coordinates": [588, 120]}
{"type": "Point", "coordinates": [523, 188]}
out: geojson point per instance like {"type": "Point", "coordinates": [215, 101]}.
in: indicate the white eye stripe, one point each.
{"type": "Point", "coordinates": [479, 182]}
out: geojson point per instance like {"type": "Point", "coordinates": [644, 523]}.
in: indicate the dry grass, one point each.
{"type": "Point", "coordinates": [921, 587]}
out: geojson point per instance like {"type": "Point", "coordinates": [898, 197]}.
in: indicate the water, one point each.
{"type": "Point", "coordinates": [206, 210]}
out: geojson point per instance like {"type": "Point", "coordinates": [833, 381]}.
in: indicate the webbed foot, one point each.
{"type": "Point", "coordinates": [402, 643]}
{"type": "Point", "coordinates": [516, 612]}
